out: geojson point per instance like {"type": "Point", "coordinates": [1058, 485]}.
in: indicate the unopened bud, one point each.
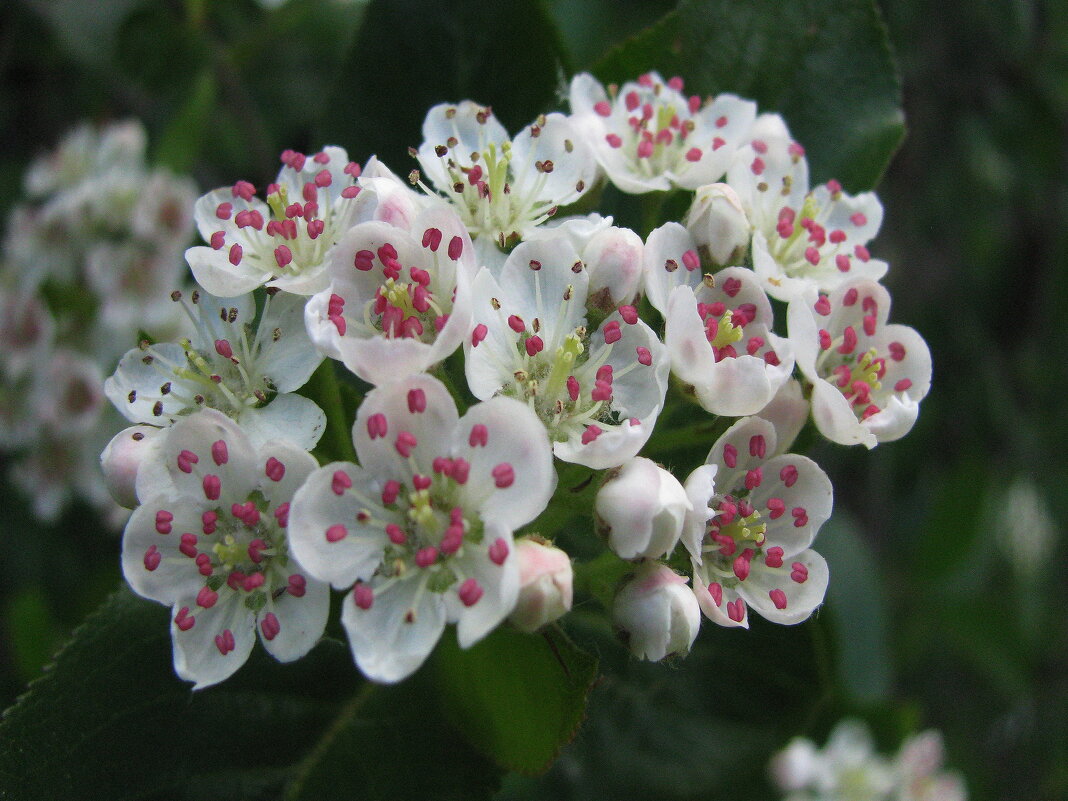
{"type": "Point", "coordinates": [656, 613]}
{"type": "Point", "coordinates": [545, 578]}
{"type": "Point", "coordinates": [642, 509]}
{"type": "Point", "coordinates": [719, 225]}
{"type": "Point", "coordinates": [122, 457]}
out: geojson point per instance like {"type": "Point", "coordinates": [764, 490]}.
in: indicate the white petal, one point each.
{"type": "Point", "coordinates": [176, 576]}
{"type": "Point", "coordinates": [290, 359]}
{"type": "Point", "coordinates": [668, 243]}
{"type": "Point", "coordinates": [835, 418]}
{"type": "Point", "coordinates": [395, 636]}
{"type": "Point", "coordinates": [284, 466]}
{"type": "Point", "coordinates": [213, 271]}
{"type": "Point", "coordinates": [700, 487]}
{"type": "Point", "coordinates": [801, 598]}
{"type": "Point", "coordinates": [301, 620]}
{"type": "Point", "coordinates": [197, 657]}
{"type": "Point", "coordinates": [499, 583]}
{"type": "Point", "coordinates": [191, 452]}
{"type": "Point", "coordinates": [290, 416]}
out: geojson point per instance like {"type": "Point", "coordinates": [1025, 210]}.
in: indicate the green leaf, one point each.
{"type": "Point", "coordinates": [518, 698]}
{"type": "Point", "coordinates": [413, 54]}
{"type": "Point", "coordinates": [825, 65]}
{"type": "Point", "coordinates": [111, 717]}
{"type": "Point", "coordinates": [181, 143]}
{"type": "Point", "coordinates": [393, 743]}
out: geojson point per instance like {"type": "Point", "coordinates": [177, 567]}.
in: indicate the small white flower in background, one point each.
{"type": "Point", "coordinates": [421, 529]}
{"type": "Point", "coordinates": [656, 613]}
{"type": "Point", "coordinates": [649, 136]}
{"type": "Point", "coordinates": [868, 377]}
{"type": "Point", "coordinates": [848, 768]}
{"type": "Point", "coordinates": [504, 188]}
{"type": "Point", "coordinates": [284, 241]}
{"type": "Point", "coordinates": [398, 303]}
{"type": "Point", "coordinates": [719, 225]}
{"type": "Point", "coordinates": [598, 393]}
{"type": "Point", "coordinates": [211, 542]}
{"type": "Point", "coordinates": [613, 258]}
{"type": "Point", "coordinates": [717, 326]}
{"type": "Point", "coordinates": [801, 238]}
{"type": "Point", "coordinates": [545, 584]}
{"type": "Point", "coordinates": [642, 508]}
{"type": "Point", "coordinates": [249, 373]}
{"type": "Point", "coordinates": [86, 153]}
{"type": "Point", "coordinates": [755, 551]}
{"type": "Point", "coordinates": [27, 331]}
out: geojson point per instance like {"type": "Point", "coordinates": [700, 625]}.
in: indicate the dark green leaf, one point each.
{"type": "Point", "coordinates": [184, 137]}
{"type": "Point", "coordinates": [413, 54]}
{"type": "Point", "coordinates": [825, 65]}
{"type": "Point", "coordinates": [111, 720]}
{"type": "Point", "coordinates": [518, 697]}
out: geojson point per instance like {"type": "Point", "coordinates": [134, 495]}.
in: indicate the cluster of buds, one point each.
{"type": "Point", "coordinates": [472, 272]}
{"type": "Point", "coordinates": [849, 767]}
{"type": "Point", "coordinates": [87, 261]}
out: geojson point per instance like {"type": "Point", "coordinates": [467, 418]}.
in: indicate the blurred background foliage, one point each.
{"type": "Point", "coordinates": [947, 606]}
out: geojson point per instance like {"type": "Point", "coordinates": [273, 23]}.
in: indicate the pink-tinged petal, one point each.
{"type": "Point", "coordinates": [204, 653]}
{"type": "Point", "coordinates": [800, 598]}
{"type": "Point", "coordinates": [431, 429]}
{"type": "Point", "coordinates": [514, 437]}
{"type": "Point", "coordinates": [719, 604]}
{"type": "Point", "coordinates": [394, 636]}
{"type": "Point", "coordinates": [318, 506]}
{"type": "Point", "coordinates": [835, 419]}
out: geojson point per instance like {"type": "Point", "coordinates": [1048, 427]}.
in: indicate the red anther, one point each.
{"type": "Point", "coordinates": [603, 108]}
{"type": "Point", "coordinates": [274, 469]}
{"type": "Point", "coordinates": [632, 100]}
{"type": "Point", "coordinates": [897, 351]}
{"type": "Point", "coordinates": [224, 210]}
{"type": "Point", "coordinates": [339, 323]}
{"type": "Point", "coordinates": [629, 314]}
{"type": "Point", "coordinates": [730, 455]}
{"type": "Point", "coordinates": [534, 345]}
{"type": "Point", "coordinates": [315, 228]}
{"type": "Point", "coordinates": [498, 551]}
{"type": "Point", "coordinates": [427, 556]}
{"type": "Point", "coordinates": [253, 581]}
{"type": "Point", "coordinates": [220, 454]}
{"type": "Point", "coordinates": [283, 256]}
{"type": "Point", "coordinates": [690, 260]}
{"type": "Point", "coordinates": [590, 434]}
{"type": "Point", "coordinates": [255, 550]}
{"type": "Point", "coordinates": [456, 248]}
{"type": "Point", "coordinates": [453, 539]}
{"type": "Point", "coordinates": [416, 401]}
{"type": "Point", "coordinates": [613, 140]}
{"type": "Point", "coordinates": [694, 104]}
{"type": "Point", "coordinates": [212, 487]}
{"type": "Point", "coordinates": [822, 306]}
{"type": "Point", "coordinates": [340, 482]}
{"type": "Point", "coordinates": [270, 626]}
{"type": "Point", "coordinates": [849, 340]}
{"type": "Point", "coordinates": [903, 385]}
{"type": "Point", "coordinates": [776, 508]}
{"type": "Point", "coordinates": [404, 443]}
{"type": "Point", "coordinates": [207, 597]}
{"type": "Point", "coordinates": [281, 514]}
{"type": "Point", "coordinates": [188, 545]}
{"type": "Point", "coordinates": [218, 239]}
{"type": "Point", "coordinates": [363, 596]}
{"type": "Point", "coordinates": [757, 166]}
{"type": "Point", "coordinates": [235, 254]}
{"type": "Point", "coordinates": [152, 558]}
{"type": "Point", "coordinates": [612, 334]}
{"type": "Point", "coordinates": [869, 324]}
{"type": "Point", "coordinates": [732, 286]}
{"type": "Point", "coordinates": [753, 345]}
{"type": "Point", "coordinates": [503, 475]}
{"type": "Point", "coordinates": [778, 597]}
{"type": "Point", "coordinates": [741, 568]}
{"type": "Point", "coordinates": [323, 178]}
{"type": "Point", "coordinates": [645, 149]}
{"type": "Point", "coordinates": [841, 261]}
{"type": "Point", "coordinates": [208, 520]}
{"type": "Point", "coordinates": [421, 482]}
{"type": "Point", "coordinates": [350, 192]}
{"type": "Point", "coordinates": [789, 475]}
{"type": "Point", "coordinates": [645, 357]}
{"type": "Point", "coordinates": [515, 322]}
{"type": "Point", "coordinates": [243, 190]}
{"type": "Point", "coordinates": [771, 358]}
{"type": "Point", "coordinates": [602, 391]}
{"type": "Point", "coordinates": [163, 521]}
{"type": "Point", "coordinates": [604, 373]}
{"type": "Point", "coordinates": [716, 591]}
{"type": "Point", "coordinates": [837, 236]}
{"type": "Point", "coordinates": [309, 192]}
{"type": "Point", "coordinates": [461, 469]}
{"type": "Point", "coordinates": [479, 435]}
{"type": "Point", "coordinates": [799, 572]}
{"type": "Point", "coordinates": [396, 534]}
{"type": "Point", "coordinates": [757, 446]}
{"type": "Point", "coordinates": [225, 642]}
{"type": "Point", "coordinates": [421, 277]}
{"type": "Point", "coordinates": [861, 253]}
{"type": "Point", "coordinates": [183, 620]}
{"type": "Point", "coordinates": [297, 585]}
{"type": "Point", "coordinates": [478, 335]}
{"type": "Point", "coordinates": [469, 593]}
{"type": "Point", "coordinates": [736, 610]}
{"type": "Point", "coordinates": [377, 426]}
{"type": "Point", "coordinates": [753, 478]}
{"type": "Point", "coordinates": [773, 556]}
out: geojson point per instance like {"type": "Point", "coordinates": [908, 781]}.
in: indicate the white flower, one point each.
{"type": "Point", "coordinates": [755, 550]}
{"type": "Point", "coordinates": [212, 544]}
{"type": "Point", "coordinates": [649, 136]}
{"type": "Point", "coordinates": [86, 153]}
{"type": "Point", "coordinates": [250, 374]}
{"type": "Point", "coordinates": [613, 258]}
{"type": "Point", "coordinates": [868, 377]}
{"type": "Point", "coordinates": [398, 302]}
{"type": "Point", "coordinates": [504, 188]}
{"type": "Point", "coordinates": [422, 527]}
{"type": "Point", "coordinates": [27, 330]}
{"type": "Point", "coordinates": [642, 509]}
{"type": "Point", "coordinates": [598, 393]}
{"type": "Point", "coordinates": [284, 242]}
{"type": "Point", "coordinates": [801, 238]}
{"type": "Point", "coordinates": [545, 584]}
{"type": "Point", "coordinates": [656, 613]}
{"type": "Point", "coordinates": [718, 224]}
{"type": "Point", "coordinates": [717, 327]}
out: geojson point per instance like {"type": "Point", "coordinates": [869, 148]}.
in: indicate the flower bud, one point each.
{"type": "Point", "coordinates": [122, 457]}
{"type": "Point", "coordinates": [719, 225]}
{"type": "Point", "coordinates": [544, 584]}
{"type": "Point", "coordinates": [656, 613]}
{"type": "Point", "coordinates": [642, 509]}
{"type": "Point", "coordinates": [613, 257]}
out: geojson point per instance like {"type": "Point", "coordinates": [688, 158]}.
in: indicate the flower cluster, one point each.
{"type": "Point", "coordinates": [576, 337]}
{"type": "Point", "coordinates": [87, 263]}
{"type": "Point", "coordinates": [848, 768]}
